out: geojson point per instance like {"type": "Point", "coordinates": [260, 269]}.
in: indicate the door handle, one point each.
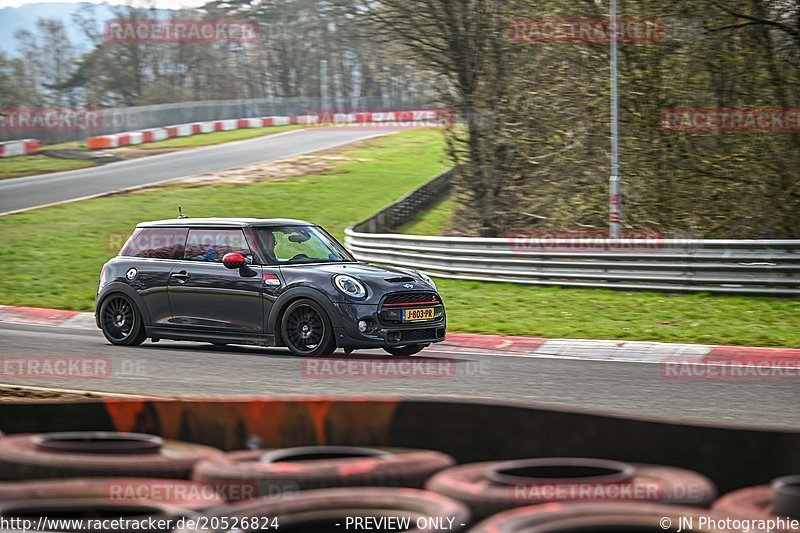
{"type": "Point", "coordinates": [181, 276]}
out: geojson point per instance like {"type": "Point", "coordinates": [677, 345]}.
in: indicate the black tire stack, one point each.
{"type": "Point", "coordinates": [319, 488]}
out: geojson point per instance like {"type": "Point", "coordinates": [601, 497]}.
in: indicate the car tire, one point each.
{"type": "Point", "coordinates": [472, 484]}
{"type": "Point", "coordinates": [279, 471]}
{"type": "Point", "coordinates": [303, 321]}
{"type": "Point", "coordinates": [75, 454]}
{"type": "Point", "coordinates": [121, 321]}
{"type": "Point", "coordinates": [753, 503]}
{"type": "Point", "coordinates": [617, 516]}
{"type": "Point", "coordinates": [132, 490]}
{"type": "Point", "coordinates": [405, 350]}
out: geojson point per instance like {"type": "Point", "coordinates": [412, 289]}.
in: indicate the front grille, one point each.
{"type": "Point", "coordinates": [410, 335]}
{"type": "Point", "coordinates": [398, 299]}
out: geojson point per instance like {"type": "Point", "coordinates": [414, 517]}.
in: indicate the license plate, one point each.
{"type": "Point", "coordinates": [426, 313]}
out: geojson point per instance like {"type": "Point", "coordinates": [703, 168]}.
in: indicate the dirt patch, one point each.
{"type": "Point", "coordinates": [325, 161]}
{"type": "Point", "coordinates": [21, 394]}
{"type": "Point", "coordinates": [99, 158]}
{"type": "Point", "coordinates": [270, 170]}
{"type": "Point", "coordinates": [126, 153]}
{"type": "Point", "coordinates": [294, 167]}
{"type": "Point", "coordinates": [109, 156]}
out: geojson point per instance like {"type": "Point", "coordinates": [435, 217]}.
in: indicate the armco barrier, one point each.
{"type": "Point", "coordinates": [770, 267]}
{"type": "Point", "coordinates": [467, 430]}
{"type": "Point", "coordinates": [184, 130]}
{"type": "Point", "coordinates": [21, 147]}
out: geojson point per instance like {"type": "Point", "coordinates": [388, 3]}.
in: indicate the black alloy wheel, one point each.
{"type": "Point", "coordinates": [121, 321]}
{"type": "Point", "coordinates": [306, 329]}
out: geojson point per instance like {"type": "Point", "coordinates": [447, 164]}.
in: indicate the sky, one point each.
{"type": "Point", "coordinates": [167, 4]}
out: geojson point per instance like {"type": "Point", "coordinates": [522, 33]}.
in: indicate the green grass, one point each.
{"type": "Point", "coordinates": [433, 221]}
{"type": "Point", "coordinates": [208, 139]}
{"type": "Point", "coordinates": [511, 309]}
{"type": "Point", "coordinates": [29, 165]}
{"type": "Point", "coordinates": [51, 257]}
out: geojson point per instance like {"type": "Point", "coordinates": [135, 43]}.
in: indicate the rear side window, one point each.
{"type": "Point", "coordinates": [211, 245]}
{"type": "Point", "coordinates": [158, 243]}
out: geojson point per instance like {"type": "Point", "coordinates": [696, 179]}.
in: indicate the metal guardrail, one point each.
{"type": "Point", "coordinates": [769, 267]}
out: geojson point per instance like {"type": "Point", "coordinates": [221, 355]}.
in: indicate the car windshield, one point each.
{"type": "Point", "coordinates": [300, 244]}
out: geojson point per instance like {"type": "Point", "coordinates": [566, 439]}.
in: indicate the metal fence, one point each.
{"type": "Point", "coordinates": [406, 207]}
{"type": "Point", "coordinates": [770, 267]}
{"type": "Point", "coordinates": [119, 119]}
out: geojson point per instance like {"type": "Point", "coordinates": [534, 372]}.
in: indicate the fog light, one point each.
{"type": "Point", "coordinates": [363, 326]}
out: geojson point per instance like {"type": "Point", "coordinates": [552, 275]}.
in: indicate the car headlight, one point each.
{"type": "Point", "coordinates": [350, 286]}
{"type": "Point", "coordinates": [427, 280]}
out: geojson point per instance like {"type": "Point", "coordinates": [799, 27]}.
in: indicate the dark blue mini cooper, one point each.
{"type": "Point", "coordinates": [271, 282]}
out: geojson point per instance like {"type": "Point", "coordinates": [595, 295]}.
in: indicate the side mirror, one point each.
{"type": "Point", "coordinates": [234, 260]}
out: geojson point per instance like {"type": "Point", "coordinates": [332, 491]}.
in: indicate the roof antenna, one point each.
{"type": "Point", "coordinates": [180, 213]}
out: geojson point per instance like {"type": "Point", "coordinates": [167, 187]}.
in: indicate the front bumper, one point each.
{"type": "Point", "coordinates": [384, 332]}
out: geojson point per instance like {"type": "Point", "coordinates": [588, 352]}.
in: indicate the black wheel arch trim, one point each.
{"type": "Point", "coordinates": [119, 287]}
{"type": "Point", "coordinates": [273, 320]}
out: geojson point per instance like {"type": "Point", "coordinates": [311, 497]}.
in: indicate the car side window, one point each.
{"type": "Point", "coordinates": [309, 246]}
{"type": "Point", "coordinates": [156, 243]}
{"type": "Point", "coordinates": [210, 245]}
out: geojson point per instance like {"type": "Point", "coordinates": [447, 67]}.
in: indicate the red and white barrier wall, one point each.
{"type": "Point", "coordinates": [184, 130]}
{"type": "Point", "coordinates": [20, 147]}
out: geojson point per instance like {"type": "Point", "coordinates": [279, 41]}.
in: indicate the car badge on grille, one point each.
{"type": "Point", "coordinates": [408, 286]}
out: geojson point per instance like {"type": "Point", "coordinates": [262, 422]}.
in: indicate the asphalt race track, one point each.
{"type": "Point", "coordinates": [610, 387]}
{"type": "Point", "coordinates": [32, 191]}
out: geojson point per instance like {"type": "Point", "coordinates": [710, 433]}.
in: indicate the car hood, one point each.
{"type": "Point", "coordinates": [379, 280]}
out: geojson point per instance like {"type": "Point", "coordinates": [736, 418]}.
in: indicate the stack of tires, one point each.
{"type": "Point", "coordinates": [325, 488]}
{"type": "Point", "coordinates": [188, 487]}
{"type": "Point", "coordinates": [575, 494]}
{"type": "Point", "coordinates": [100, 475]}
{"type": "Point", "coordinates": [780, 500]}
{"type": "Point", "coordinates": [556, 495]}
